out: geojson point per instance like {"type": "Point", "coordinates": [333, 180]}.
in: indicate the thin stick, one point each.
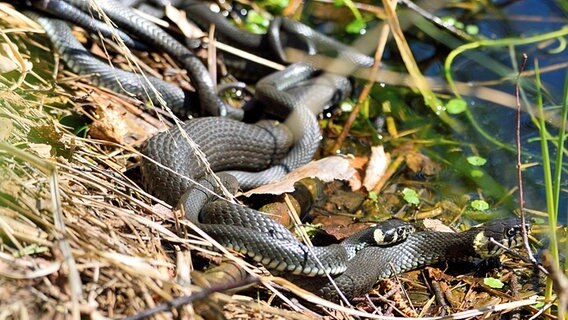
{"type": "Point", "coordinates": [518, 255]}
{"type": "Point", "coordinates": [183, 300]}
{"type": "Point", "coordinates": [519, 173]}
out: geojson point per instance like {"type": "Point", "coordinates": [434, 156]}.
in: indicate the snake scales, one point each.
{"type": "Point", "coordinates": [264, 147]}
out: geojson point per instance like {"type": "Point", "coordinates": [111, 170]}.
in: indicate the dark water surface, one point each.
{"type": "Point", "coordinates": [518, 19]}
{"type": "Point", "coordinates": [501, 19]}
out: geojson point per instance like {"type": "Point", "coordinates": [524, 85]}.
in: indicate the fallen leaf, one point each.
{"type": "Point", "coordinates": [411, 196]}
{"type": "Point", "coordinates": [376, 167]}
{"type": "Point", "coordinates": [46, 134]}
{"type": "Point", "coordinates": [493, 283]}
{"type": "Point", "coordinates": [111, 125]}
{"type": "Point", "coordinates": [417, 162]}
{"type": "Point", "coordinates": [438, 275]}
{"type": "Point", "coordinates": [279, 211]}
{"type": "Point", "coordinates": [340, 227]}
{"type": "Point", "coordinates": [359, 162]}
{"type": "Point", "coordinates": [326, 169]}
{"type": "Point", "coordinates": [436, 225]}
{"type": "Point", "coordinates": [356, 181]}
{"type": "Point", "coordinates": [7, 65]}
{"type": "Point", "coordinates": [344, 201]}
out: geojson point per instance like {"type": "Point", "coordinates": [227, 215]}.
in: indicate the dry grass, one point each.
{"type": "Point", "coordinates": [79, 237]}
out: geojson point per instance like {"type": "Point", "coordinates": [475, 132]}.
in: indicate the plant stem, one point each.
{"type": "Point", "coordinates": [552, 214]}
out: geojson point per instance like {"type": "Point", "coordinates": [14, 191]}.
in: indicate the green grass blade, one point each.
{"type": "Point", "coordinates": [560, 158]}
{"type": "Point", "coordinates": [552, 216]}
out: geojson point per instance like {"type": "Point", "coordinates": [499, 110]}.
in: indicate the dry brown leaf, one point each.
{"type": "Point", "coordinates": [186, 27]}
{"type": "Point", "coordinates": [436, 225]}
{"type": "Point", "coordinates": [359, 162]}
{"type": "Point", "coordinates": [340, 227]}
{"type": "Point", "coordinates": [326, 169]}
{"type": "Point", "coordinates": [438, 275]}
{"type": "Point", "coordinates": [111, 125]}
{"type": "Point", "coordinates": [418, 162]}
{"type": "Point", "coordinates": [377, 166]}
{"type": "Point", "coordinates": [7, 64]}
{"type": "Point", "coordinates": [356, 181]}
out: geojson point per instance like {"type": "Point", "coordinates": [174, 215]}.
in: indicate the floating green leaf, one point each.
{"type": "Point", "coordinates": [456, 106]}
{"type": "Point", "coordinates": [476, 161]}
{"type": "Point", "coordinates": [472, 29]}
{"type": "Point", "coordinates": [410, 196]}
{"type": "Point", "coordinates": [479, 205]}
{"type": "Point", "coordinates": [493, 283]}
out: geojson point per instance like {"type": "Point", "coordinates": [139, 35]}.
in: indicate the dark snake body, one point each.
{"type": "Point", "coordinates": [148, 32]}
{"type": "Point", "coordinates": [82, 62]}
{"type": "Point", "coordinates": [282, 32]}
{"type": "Point", "coordinates": [232, 145]}
{"type": "Point", "coordinates": [241, 147]}
{"type": "Point", "coordinates": [227, 145]}
{"type": "Point", "coordinates": [276, 91]}
{"type": "Point", "coordinates": [418, 250]}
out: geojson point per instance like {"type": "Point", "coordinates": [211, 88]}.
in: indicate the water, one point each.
{"type": "Point", "coordinates": [518, 19]}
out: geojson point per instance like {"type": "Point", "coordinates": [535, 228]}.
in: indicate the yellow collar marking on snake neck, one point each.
{"type": "Point", "coordinates": [480, 244]}
{"type": "Point", "coordinates": [379, 236]}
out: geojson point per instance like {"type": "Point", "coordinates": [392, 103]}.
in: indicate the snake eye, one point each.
{"type": "Point", "coordinates": [511, 232]}
{"type": "Point", "coordinates": [400, 232]}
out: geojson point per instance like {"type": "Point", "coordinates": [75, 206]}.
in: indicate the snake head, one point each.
{"type": "Point", "coordinates": [494, 236]}
{"type": "Point", "coordinates": [392, 231]}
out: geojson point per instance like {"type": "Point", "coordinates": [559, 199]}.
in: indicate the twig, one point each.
{"type": "Point", "coordinates": [519, 173]}
{"type": "Point", "coordinates": [183, 300]}
{"type": "Point", "coordinates": [541, 311]}
{"type": "Point", "coordinates": [518, 255]}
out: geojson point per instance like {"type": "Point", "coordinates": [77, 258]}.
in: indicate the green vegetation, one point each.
{"type": "Point", "coordinates": [552, 180]}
